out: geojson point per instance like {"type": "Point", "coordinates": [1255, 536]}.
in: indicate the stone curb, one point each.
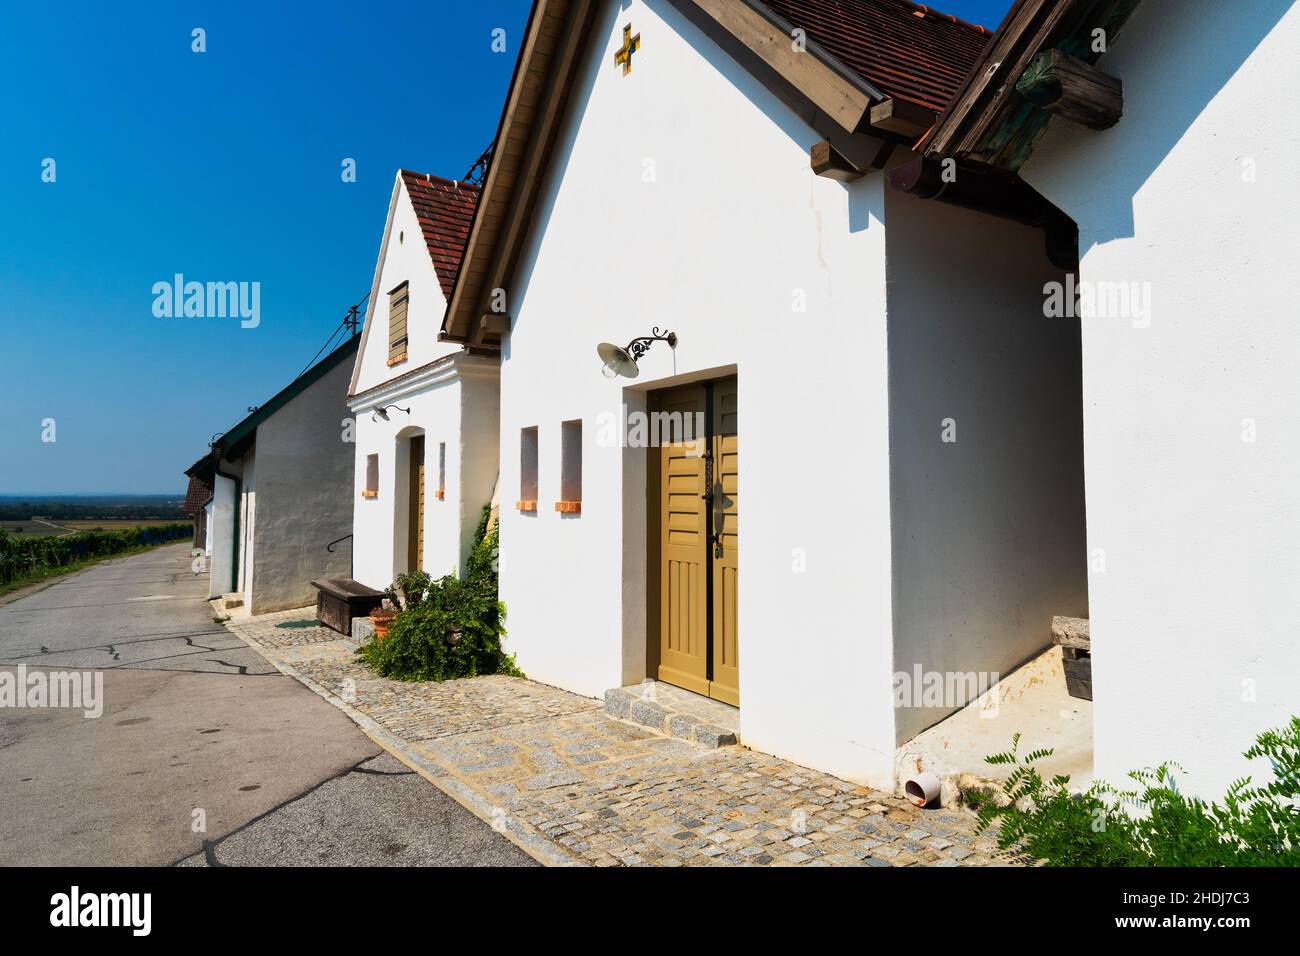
{"type": "Point", "coordinates": [518, 832]}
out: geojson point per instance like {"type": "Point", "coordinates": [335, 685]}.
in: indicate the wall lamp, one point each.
{"type": "Point", "coordinates": [381, 414]}
{"type": "Point", "coordinates": [622, 361]}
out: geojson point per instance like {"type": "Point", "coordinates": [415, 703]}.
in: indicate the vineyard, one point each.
{"type": "Point", "coordinates": [33, 556]}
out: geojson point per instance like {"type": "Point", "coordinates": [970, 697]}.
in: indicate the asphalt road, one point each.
{"type": "Point", "coordinates": [204, 753]}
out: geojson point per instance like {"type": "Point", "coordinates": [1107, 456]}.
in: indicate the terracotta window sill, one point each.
{"type": "Point", "coordinates": [568, 507]}
{"type": "Point", "coordinates": [397, 360]}
{"type": "Point", "coordinates": [369, 494]}
{"type": "Point", "coordinates": [526, 505]}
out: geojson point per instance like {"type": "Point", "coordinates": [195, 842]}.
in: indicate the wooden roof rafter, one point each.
{"type": "Point", "coordinates": [989, 121]}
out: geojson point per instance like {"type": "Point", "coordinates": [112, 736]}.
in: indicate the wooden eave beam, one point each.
{"type": "Point", "coordinates": [851, 156]}
{"type": "Point", "coordinates": [988, 121]}
{"type": "Point", "coordinates": [832, 89]}
{"type": "Point", "coordinates": [902, 117]}
{"type": "Point", "coordinates": [829, 162]}
{"type": "Point", "coordinates": [1069, 87]}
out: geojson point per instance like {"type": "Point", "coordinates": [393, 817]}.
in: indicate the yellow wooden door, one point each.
{"type": "Point", "coordinates": [682, 518]}
{"type": "Point", "coordinates": [415, 537]}
{"type": "Point", "coordinates": [694, 513]}
{"type": "Point", "coordinates": [724, 520]}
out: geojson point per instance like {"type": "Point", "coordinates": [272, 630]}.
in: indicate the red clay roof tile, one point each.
{"type": "Point", "coordinates": [907, 50]}
{"type": "Point", "coordinates": [445, 210]}
{"type": "Point", "coordinates": [198, 494]}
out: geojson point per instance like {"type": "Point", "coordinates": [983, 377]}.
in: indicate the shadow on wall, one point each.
{"type": "Point", "coordinates": [1206, 41]}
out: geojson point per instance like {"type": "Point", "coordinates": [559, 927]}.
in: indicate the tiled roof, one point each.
{"type": "Point", "coordinates": [907, 50]}
{"type": "Point", "coordinates": [445, 210]}
{"type": "Point", "coordinates": [198, 494]}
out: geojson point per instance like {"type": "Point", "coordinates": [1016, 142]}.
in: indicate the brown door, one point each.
{"type": "Point", "coordinates": [693, 515]}
{"type": "Point", "coordinates": [725, 685]}
{"type": "Point", "coordinates": [415, 536]}
{"type": "Point", "coordinates": [683, 533]}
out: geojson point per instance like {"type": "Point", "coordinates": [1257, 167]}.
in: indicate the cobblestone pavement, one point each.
{"type": "Point", "coordinates": [572, 785]}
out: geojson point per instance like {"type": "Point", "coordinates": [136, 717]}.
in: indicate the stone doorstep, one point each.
{"type": "Point", "coordinates": [668, 716]}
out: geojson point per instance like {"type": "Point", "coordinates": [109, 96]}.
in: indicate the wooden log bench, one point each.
{"type": "Point", "coordinates": [1075, 640]}
{"type": "Point", "coordinates": [339, 600]}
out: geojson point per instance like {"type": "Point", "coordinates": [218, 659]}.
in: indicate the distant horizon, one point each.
{"type": "Point", "coordinates": [93, 494]}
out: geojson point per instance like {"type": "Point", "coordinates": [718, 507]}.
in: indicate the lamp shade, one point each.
{"type": "Point", "coordinates": [617, 361]}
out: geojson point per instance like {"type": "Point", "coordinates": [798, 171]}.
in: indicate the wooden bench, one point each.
{"type": "Point", "coordinates": [339, 600]}
{"type": "Point", "coordinates": [1075, 639]}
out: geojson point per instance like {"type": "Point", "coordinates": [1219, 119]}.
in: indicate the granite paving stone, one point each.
{"type": "Point", "coordinates": [583, 786]}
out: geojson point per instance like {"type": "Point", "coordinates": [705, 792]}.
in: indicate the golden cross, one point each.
{"type": "Point", "coordinates": [631, 44]}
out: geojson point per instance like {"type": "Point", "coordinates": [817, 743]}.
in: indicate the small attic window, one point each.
{"type": "Point", "coordinates": [397, 303]}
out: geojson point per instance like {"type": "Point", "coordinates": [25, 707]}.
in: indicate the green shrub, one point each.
{"type": "Point", "coordinates": [1153, 824]}
{"type": "Point", "coordinates": [450, 628]}
{"type": "Point", "coordinates": [409, 590]}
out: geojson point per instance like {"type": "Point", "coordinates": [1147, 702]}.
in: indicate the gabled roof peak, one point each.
{"type": "Point", "coordinates": [445, 209]}
{"type": "Point", "coordinates": [410, 174]}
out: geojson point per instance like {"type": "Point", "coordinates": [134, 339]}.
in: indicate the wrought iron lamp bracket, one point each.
{"type": "Point", "coordinates": [641, 344]}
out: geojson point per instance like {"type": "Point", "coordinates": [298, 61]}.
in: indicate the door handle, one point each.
{"type": "Point", "coordinates": [708, 477]}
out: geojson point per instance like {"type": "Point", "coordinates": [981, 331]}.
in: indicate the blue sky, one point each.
{"type": "Point", "coordinates": [224, 166]}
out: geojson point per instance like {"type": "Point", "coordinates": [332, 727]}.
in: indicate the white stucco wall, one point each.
{"type": "Point", "coordinates": [303, 496]}
{"type": "Point", "coordinates": [455, 405]}
{"type": "Point", "coordinates": [720, 247]}
{"type": "Point", "coordinates": [1195, 532]}
{"type": "Point", "coordinates": [247, 524]}
{"type": "Point", "coordinates": [207, 529]}
{"type": "Point", "coordinates": [988, 529]}
{"type": "Point", "coordinates": [222, 526]}
{"type": "Point", "coordinates": [403, 258]}
{"type": "Point", "coordinates": [477, 454]}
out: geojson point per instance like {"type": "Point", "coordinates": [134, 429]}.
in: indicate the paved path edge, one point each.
{"type": "Point", "coordinates": [518, 832]}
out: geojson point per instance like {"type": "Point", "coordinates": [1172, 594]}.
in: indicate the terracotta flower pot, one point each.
{"type": "Point", "coordinates": [382, 623]}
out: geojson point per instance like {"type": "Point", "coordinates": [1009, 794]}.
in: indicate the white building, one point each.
{"type": "Point", "coordinates": [1186, 210]}
{"type": "Point", "coordinates": [282, 489]}
{"type": "Point", "coordinates": [892, 432]}
{"type": "Point", "coordinates": [426, 411]}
